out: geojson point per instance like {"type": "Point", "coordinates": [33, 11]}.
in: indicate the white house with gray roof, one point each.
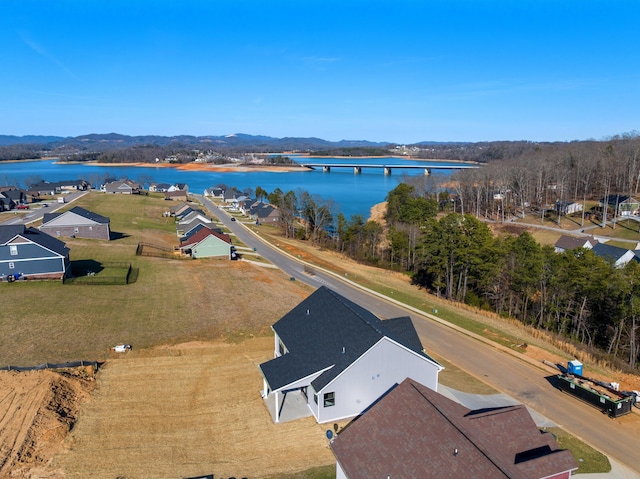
{"type": "Point", "coordinates": [341, 357]}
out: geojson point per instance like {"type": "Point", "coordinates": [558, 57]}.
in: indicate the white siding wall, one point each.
{"type": "Point", "coordinates": [339, 472]}
{"type": "Point", "coordinates": [373, 374]}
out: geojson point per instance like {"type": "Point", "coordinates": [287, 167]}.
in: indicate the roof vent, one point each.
{"type": "Point", "coordinates": [343, 349]}
{"type": "Point", "coordinates": [307, 312]}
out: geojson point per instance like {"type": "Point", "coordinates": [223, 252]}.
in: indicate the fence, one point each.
{"type": "Point", "coordinates": [72, 364]}
{"type": "Point", "coordinates": [148, 249]}
{"type": "Point", "coordinates": [110, 273]}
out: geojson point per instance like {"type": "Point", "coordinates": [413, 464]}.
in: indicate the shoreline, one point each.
{"type": "Point", "coordinates": [226, 168]}
{"type": "Point", "coordinates": [233, 167]}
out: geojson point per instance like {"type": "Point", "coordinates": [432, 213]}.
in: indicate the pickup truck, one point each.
{"type": "Point", "coordinates": [22, 207]}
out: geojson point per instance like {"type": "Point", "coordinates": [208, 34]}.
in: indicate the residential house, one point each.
{"type": "Point", "coordinates": [617, 256]}
{"type": "Point", "coordinates": [122, 187]}
{"type": "Point", "coordinates": [207, 243]}
{"type": "Point", "coordinates": [246, 205]}
{"type": "Point", "coordinates": [194, 214]}
{"type": "Point", "coordinates": [186, 228]}
{"type": "Point", "coordinates": [10, 197]}
{"type": "Point", "coordinates": [339, 358]}
{"type": "Point", "coordinates": [53, 188]}
{"type": "Point", "coordinates": [265, 213]}
{"type": "Point", "coordinates": [567, 243]}
{"type": "Point", "coordinates": [415, 432]}
{"type": "Point", "coordinates": [622, 204]}
{"type": "Point", "coordinates": [564, 207]}
{"type": "Point", "coordinates": [178, 210]}
{"type": "Point", "coordinates": [178, 195]}
{"type": "Point", "coordinates": [76, 222]}
{"type": "Point", "coordinates": [233, 197]}
{"type": "Point", "coordinates": [31, 253]}
{"type": "Point", "coordinates": [177, 192]}
{"type": "Point", "coordinates": [159, 187]}
{"type": "Point", "coordinates": [214, 192]}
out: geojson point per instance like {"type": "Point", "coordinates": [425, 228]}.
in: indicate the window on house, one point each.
{"type": "Point", "coordinates": [11, 265]}
{"type": "Point", "coordinates": [75, 229]}
{"type": "Point", "coordinates": [13, 249]}
{"type": "Point", "coordinates": [281, 348]}
{"type": "Point", "coordinates": [329, 399]}
{"type": "Point", "coordinates": [315, 398]}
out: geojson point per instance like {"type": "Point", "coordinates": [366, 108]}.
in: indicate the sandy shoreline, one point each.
{"type": "Point", "coordinates": [204, 167]}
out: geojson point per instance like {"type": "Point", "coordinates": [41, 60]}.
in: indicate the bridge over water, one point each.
{"type": "Point", "coordinates": [357, 167]}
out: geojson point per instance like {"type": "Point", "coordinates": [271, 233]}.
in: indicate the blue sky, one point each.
{"type": "Point", "coordinates": [399, 70]}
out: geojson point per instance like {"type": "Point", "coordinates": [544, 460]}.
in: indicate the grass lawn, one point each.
{"type": "Point", "coordinates": [171, 301]}
{"type": "Point", "coordinates": [589, 460]}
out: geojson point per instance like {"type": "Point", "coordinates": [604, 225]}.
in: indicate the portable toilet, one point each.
{"type": "Point", "coordinates": [574, 367]}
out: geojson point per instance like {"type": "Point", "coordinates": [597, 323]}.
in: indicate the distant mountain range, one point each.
{"type": "Point", "coordinates": [101, 142]}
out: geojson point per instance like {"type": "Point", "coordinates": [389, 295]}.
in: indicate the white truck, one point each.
{"type": "Point", "coordinates": [62, 199]}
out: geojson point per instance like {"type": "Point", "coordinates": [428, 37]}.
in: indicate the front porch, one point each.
{"type": "Point", "coordinates": [292, 405]}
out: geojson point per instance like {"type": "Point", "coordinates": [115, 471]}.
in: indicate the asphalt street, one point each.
{"type": "Point", "coordinates": [527, 383]}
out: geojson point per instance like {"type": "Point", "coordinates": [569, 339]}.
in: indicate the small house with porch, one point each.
{"type": "Point", "coordinates": [622, 205]}
{"type": "Point", "coordinates": [337, 358]}
{"type": "Point", "coordinates": [564, 207]}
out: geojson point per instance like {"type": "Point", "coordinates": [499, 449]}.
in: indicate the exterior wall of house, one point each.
{"type": "Point", "coordinates": [628, 256]}
{"type": "Point", "coordinates": [339, 472]}
{"type": "Point", "coordinates": [209, 247]}
{"type": "Point", "coordinates": [562, 475]}
{"type": "Point", "coordinates": [31, 260]}
{"type": "Point", "coordinates": [70, 224]}
{"type": "Point", "coordinates": [95, 231]}
{"type": "Point", "coordinates": [369, 377]}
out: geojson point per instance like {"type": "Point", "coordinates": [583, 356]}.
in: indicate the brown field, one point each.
{"type": "Point", "coordinates": [188, 410]}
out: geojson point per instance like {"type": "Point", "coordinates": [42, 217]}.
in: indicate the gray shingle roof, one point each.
{"type": "Point", "coordinates": [80, 212]}
{"type": "Point", "coordinates": [327, 330]}
{"type": "Point", "coordinates": [609, 252]}
{"type": "Point", "coordinates": [8, 232]}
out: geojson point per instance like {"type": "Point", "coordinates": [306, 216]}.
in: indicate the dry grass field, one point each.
{"type": "Point", "coordinates": [188, 410]}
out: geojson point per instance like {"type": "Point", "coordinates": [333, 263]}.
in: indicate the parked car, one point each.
{"type": "Point", "coordinates": [232, 218]}
{"type": "Point", "coordinates": [44, 205]}
{"type": "Point", "coordinates": [22, 207]}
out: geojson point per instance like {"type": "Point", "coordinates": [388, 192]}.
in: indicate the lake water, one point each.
{"type": "Point", "coordinates": [352, 194]}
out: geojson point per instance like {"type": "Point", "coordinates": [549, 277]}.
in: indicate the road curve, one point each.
{"type": "Point", "coordinates": [617, 438]}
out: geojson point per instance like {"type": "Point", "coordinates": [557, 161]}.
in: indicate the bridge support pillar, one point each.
{"type": "Point", "coordinates": [427, 172]}
{"type": "Point", "coordinates": [326, 169]}
{"type": "Point", "coordinates": [357, 170]}
{"type": "Point", "coordinates": [387, 170]}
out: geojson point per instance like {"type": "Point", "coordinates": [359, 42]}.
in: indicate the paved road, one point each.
{"type": "Point", "coordinates": [36, 210]}
{"type": "Point", "coordinates": [527, 383]}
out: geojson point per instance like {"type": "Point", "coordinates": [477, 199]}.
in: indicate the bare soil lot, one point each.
{"type": "Point", "coordinates": [168, 412]}
{"type": "Point", "coordinates": [188, 410]}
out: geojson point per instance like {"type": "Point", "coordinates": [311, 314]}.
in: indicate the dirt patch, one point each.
{"type": "Point", "coordinates": [37, 410]}
{"type": "Point", "coordinates": [188, 410]}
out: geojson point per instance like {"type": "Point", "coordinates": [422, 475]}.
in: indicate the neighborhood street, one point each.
{"type": "Point", "coordinates": [527, 383]}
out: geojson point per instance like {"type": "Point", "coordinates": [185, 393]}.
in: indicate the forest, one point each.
{"type": "Point", "coordinates": [437, 229]}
